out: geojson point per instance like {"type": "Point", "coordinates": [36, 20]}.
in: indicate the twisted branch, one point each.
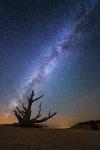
{"type": "Point", "coordinates": [24, 116]}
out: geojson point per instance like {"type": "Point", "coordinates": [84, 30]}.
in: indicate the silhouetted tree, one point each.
{"type": "Point", "coordinates": [24, 116]}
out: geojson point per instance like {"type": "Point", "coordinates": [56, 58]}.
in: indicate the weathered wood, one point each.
{"type": "Point", "coordinates": [24, 116]}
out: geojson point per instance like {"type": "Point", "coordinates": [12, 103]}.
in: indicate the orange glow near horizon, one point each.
{"type": "Point", "coordinates": [55, 124]}
{"type": "Point", "coordinates": [59, 122]}
{"type": "Point", "coordinates": [7, 121]}
{"type": "Point", "coordinates": [7, 117]}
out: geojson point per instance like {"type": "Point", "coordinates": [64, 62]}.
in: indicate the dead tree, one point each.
{"type": "Point", "coordinates": [24, 116]}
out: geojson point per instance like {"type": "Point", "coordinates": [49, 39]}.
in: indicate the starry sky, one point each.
{"type": "Point", "coordinates": [51, 46]}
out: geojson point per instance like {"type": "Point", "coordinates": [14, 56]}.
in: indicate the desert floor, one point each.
{"type": "Point", "coordinates": [12, 138]}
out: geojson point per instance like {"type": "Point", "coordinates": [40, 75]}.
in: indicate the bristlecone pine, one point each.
{"type": "Point", "coordinates": [24, 116]}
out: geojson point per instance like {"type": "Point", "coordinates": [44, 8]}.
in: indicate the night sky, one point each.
{"type": "Point", "coordinates": [51, 46]}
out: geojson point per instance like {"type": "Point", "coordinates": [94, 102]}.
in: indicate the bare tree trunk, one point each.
{"type": "Point", "coordinates": [24, 116]}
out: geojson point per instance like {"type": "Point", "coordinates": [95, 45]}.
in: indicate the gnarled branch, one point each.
{"type": "Point", "coordinates": [39, 113]}
{"type": "Point", "coordinates": [18, 116]}
{"type": "Point", "coordinates": [37, 98]}
{"type": "Point", "coordinates": [44, 118]}
{"type": "Point", "coordinates": [20, 112]}
{"type": "Point", "coordinates": [24, 107]}
{"type": "Point", "coordinates": [24, 116]}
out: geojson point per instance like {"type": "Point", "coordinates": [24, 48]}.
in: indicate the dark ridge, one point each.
{"type": "Point", "coordinates": [91, 124]}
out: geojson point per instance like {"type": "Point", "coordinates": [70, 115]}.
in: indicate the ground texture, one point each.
{"type": "Point", "coordinates": [12, 138]}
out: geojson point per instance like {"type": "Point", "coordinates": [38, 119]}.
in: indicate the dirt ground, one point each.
{"type": "Point", "coordinates": [12, 138]}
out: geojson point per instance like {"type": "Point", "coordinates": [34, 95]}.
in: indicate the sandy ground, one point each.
{"type": "Point", "coordinates": [12, 138]}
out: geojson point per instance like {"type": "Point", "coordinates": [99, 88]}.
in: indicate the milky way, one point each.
{"type": "Point", "coordinates": [67, 43]}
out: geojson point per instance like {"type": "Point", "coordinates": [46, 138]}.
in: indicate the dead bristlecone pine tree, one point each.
{"type": "Point", "coordinates": [24, 116]}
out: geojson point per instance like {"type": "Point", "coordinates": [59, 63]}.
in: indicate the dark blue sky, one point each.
{"type": "Point", "coordinates": [53, 47]}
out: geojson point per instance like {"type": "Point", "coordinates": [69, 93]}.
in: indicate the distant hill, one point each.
{"type": "Point", "coordinates": [92, 124]}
